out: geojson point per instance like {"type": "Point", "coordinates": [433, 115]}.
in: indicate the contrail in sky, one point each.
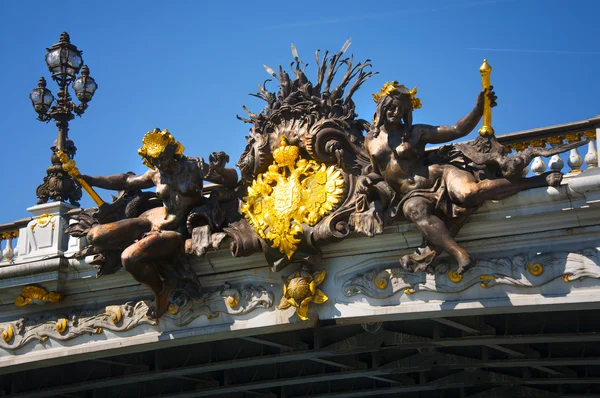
{"type": "Point", "coordinates": [384, 15]}
{"type": "Point", "coordinates": [516, 50]}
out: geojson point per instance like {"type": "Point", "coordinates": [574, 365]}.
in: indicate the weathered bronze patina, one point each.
{"type": "Point", "coordinates": [152, 243]}
{"type": "Point", "coordinates": [311, 174]}
{"type": "Point", "coordinates": [439, 190]}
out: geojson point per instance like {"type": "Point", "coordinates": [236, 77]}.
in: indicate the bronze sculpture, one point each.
{"type": "Point", "coordinates": [309, 177]}
{"type": "Point", "coordinates": [438, 193]}
{"type": "Point", "coordinates": [156, 236]}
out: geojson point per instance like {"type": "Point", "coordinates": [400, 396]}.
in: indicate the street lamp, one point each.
{"type": "Point", "coordinates": [65, 62]}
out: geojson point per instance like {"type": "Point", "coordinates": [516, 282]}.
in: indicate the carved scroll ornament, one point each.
{"type": "Point", "coordinates": [519, 271]}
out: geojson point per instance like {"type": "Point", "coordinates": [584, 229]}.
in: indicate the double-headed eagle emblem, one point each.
{"type": "Point", "coordinates": [294, 191]}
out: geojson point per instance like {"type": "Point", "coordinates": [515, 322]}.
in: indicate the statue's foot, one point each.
{"type": "Point", "coordinates": [465, 263]}
{"type": "Point", "coordinates": [161, 302]}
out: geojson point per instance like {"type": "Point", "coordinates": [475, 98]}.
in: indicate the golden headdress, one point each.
{"type": "Point", "coordinates": [392, 87]}
{"type": "Point", "coordinates": [154, 144]}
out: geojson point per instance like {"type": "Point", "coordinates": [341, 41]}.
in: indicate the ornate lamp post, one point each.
{"type": "Point", "coordinates": [65, 62]}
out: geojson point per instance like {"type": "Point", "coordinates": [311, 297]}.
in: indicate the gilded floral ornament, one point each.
{"type": "Point", "coordinates": [300, 289]}
{"type": "Point", "coordinates": [292, 192]}
{"type": "Point", "coordinates": [155, 142]}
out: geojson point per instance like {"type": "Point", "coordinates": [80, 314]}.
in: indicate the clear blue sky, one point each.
{"type": "Point", "coordinates": [189, 65]}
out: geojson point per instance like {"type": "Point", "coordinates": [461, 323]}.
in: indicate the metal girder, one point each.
{"type": "Point", "coordinates": [467, 325]}
{"type": "Point", "coordinates": [278, 383]}
{"type": "Point", "coordinates": [362, 343]}
{"type": "Point", "coordinates": [194, 369]}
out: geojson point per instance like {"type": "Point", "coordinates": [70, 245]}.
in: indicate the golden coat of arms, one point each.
{"type": "Point", "coordinates": [294, 191]}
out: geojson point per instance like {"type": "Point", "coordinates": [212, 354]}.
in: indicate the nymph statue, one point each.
{"type": "Point", "coordinates": [154, 240]}
{"type": "Point", "coordinates": [437, 192]}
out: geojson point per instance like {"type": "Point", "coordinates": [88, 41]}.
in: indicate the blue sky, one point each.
{"type": "Point", "coordinates": [189, 65]}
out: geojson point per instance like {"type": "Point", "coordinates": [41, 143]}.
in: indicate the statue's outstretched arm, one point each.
{"type": "Point", "coordinates": [120, 182]}
{"type": "Point", "coordinates": [441, 134]}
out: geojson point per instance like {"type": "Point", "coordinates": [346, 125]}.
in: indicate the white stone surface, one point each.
{"type": "Point", "coordinates": [37, 241]}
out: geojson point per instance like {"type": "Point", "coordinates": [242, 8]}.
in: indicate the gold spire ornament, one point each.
{"type": "Point", "coordinates": [391, 87]}
{"type": "Point", "coordinates": [155, 142]}
{"type": "Point", "coordinates": [486, 130]}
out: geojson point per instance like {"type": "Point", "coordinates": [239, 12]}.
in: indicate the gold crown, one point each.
{"type": "Point", "coordinates": [390, 87]}
{"type": "Point", "coordinates": [155, 142]}
{"type": "Point", "coordinates": [286, 155]}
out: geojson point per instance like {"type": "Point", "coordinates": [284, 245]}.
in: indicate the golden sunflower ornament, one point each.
{"type": "Point", "coordinates": [300, 289]}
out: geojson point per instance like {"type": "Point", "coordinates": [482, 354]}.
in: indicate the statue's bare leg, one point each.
{"type": "Point", "coordinates": [118, 235]}
{"type": "Point", "coordinates": [140, 259]}
{"type": "Point", "coordinates": [466, 191]}
{"type": "Point", "coordinates": [421, 211]}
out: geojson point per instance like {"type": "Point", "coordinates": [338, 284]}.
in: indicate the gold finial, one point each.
{"type": "Point", "coordinates": [155, 142]}
{"type": "Point", "coordinates": [486, 130]}
{"type": "Point", "coordinates": [485, 67]}
{"type": "Point", "coordinates": [391, 87]}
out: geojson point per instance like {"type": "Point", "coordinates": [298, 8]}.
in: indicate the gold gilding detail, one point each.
{"type": "Point", "coordinates": [454, 276]}
{"type": "Point", "coordinates": [8, 333]}
{"type": "Point", "coordinates": [30, 293]}
{"type": "Point", "coordinates": [115, 313]}
{"type": "Point", "coordinates": [9, 235]}
{"type": "Point", "coordinates": [155, 142]}
{"type": "Point", "coordinates": [61, 325]}
{"type": "Point", "coordinates": [486, 129]}
{"type": "Point", "coordinates": [541, 143]}
{"type": "Point", "coordinates": [573, 137]}
{"type": "Point", "coordinates": [42, 221]}
{"type": "Point", "coordinates": [300, 289]}
{"type": "Point", "coordinates": [70, 167]}
{"type": "Point", "coordinates": [233, 301]}
{"type": "Point", "coordinates": [408, 290]}
{"type": "Point", "coordinates": [173, 309]}
{"type": "Point", "coordinates": [566, 278]}
{"type": "Point", "coordinates": [555, 140]}
{"type": "Point", "coordinates": [519, 146]}
{"type": "Point", "coordinates": [589, 135]}
{"type": "Point", "coordinates": [294, 191]}
{"type": "Point", "coordinates": [390, 88]}
{"type": "Point", "coordinates": [380, 282]}
{"type": "Point", "coordinates": [535, 269]}
{"type": "Point", "coordinates": [487, 277]}
{"type": "Point", "coordinates": [484, 285]}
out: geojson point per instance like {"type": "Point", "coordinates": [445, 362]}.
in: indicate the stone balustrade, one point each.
{"type": "Point", "coordinates": [569, 163]}
{"type": "Point", "coordinates": [9, 234]}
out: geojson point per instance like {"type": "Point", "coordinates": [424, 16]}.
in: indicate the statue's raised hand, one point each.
{"type": "Point", "coordinates": [490, 94]}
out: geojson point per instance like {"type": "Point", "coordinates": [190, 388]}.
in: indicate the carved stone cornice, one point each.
{"type": "Point", "coordinates": [234, 301]}
{"type": "Point", "coordinates": [520, 271]}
